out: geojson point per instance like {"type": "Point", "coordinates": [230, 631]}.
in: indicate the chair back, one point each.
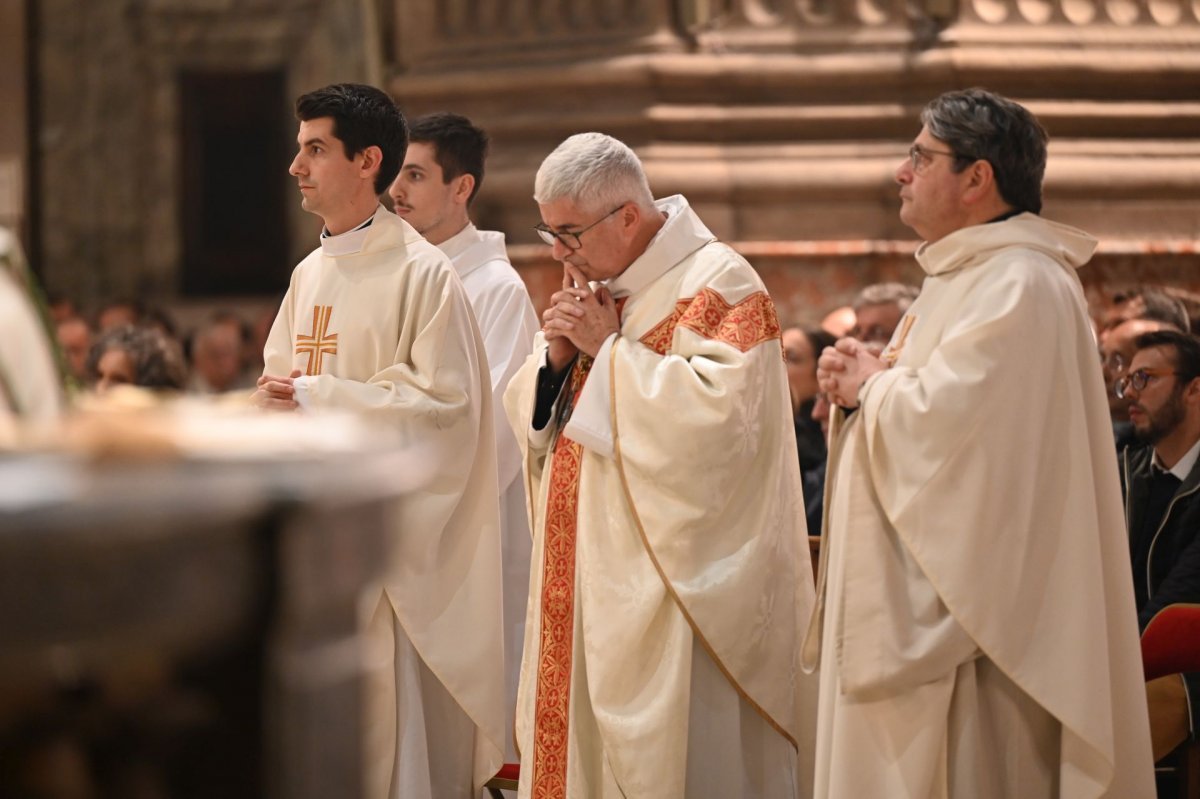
{"type": "Point", "coordinates": [1171, 641]}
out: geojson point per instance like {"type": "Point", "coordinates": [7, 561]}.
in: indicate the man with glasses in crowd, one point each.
{"type": "Point", "coordinates": [974, 598]}
{"type": "Point", "coordinates": [1116, 351]}
{"type": "Point", "coordinates": [670, 578]}
{"type": "Point", "coordinates": [1161, 479]}
{"type": "Point", "coordinates": [878, 309]}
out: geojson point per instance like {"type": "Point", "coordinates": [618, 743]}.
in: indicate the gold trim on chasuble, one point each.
{"type": "Point", "coordinates": [892, 353]}
{"type": "Point", "coordinates": [320, 343]}
{"type": "Point", "coordinates": [551, 706]}
{"type": "Point", "coordinates": [743, 325]}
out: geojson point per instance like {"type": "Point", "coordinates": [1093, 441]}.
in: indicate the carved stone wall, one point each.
{"type": "Point", "coordinates": [784, 120]}
{"type": "Point", "coordinates": [109, 144]}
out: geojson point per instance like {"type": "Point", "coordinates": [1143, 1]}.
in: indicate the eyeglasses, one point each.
{"type": "Point", "coordinates": [920, 156]}
{"type": "Point", "coordinates": [1138, 380]}
{"type": "Point", "coordinates": [1114, 362]}
{"type": "Point", "coordinates": [569, 239]}
{"type": "Point", "coordinates": [877, 334]}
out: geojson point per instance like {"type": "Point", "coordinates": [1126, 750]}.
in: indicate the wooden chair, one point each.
{"type": "Point", "coordinates": [505, 780]}
{"type": "Point", "coordinates": [1171, 645]}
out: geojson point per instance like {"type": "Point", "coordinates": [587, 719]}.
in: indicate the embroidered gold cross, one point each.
{"type": "Point", "coordinates": [321, 342]}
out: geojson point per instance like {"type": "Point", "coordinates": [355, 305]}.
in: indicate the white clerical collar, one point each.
{"type": "Point", "coordinates": [471, 248]}
{"type": "Point", "coordinates": [1184, 467]}
{"type": "Point", "coordinates": [681, 235]}
{"type": "Point", "coordinates": [351, 241]}
{"type": "Point", "coordinates": [458, 243]}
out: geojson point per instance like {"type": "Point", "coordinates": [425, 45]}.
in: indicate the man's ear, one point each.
{"type": "Point", "coordinates": [372, 158]}
{"type": "Point", "coordinates": [630, 218]}
{"type": "Point", "coordinates": [1191, 393]}
{"type": "Point", "coordinates": [466, 185]}
{"type": "Point", "coordinates": [979, 182]}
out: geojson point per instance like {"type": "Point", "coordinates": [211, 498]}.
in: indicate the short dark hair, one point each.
{"type": "Point", "coordinates": [460, 147]}
{"type": "Point", "coordinates": [1155, 304]}
{"type": "Point", "coordinates": [363, 116]}
{"type": "Point", "coordinates": [978, 125]}
{"type": "Point", "coordinates": [1162, 307]}
{"type": "Point", "coordinates": [1185, 345]}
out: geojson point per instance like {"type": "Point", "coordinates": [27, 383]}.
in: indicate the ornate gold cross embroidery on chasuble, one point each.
{"type": "Point", "coordinates": [320, 343]}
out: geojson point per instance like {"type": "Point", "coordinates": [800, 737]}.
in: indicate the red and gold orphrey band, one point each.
{"type": "Point", "coordinates": [743, 325]}
{"type": "Point", "coordinates": [550, 727]}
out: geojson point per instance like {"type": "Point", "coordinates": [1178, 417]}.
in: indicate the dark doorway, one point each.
{"type": "Point", "coordinates": [235, 161]}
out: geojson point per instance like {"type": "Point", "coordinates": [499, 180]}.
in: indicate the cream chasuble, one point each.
{"type": "Point", "coordinates": [670, 570]}
{"type": "Point", "coordinates": [508, 324]}
{"type": "Point", "coordinates": [979, 633]}
{"type": "Point", "coordinates": [378, 323]}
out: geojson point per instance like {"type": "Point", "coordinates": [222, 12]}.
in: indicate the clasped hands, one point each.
{"type": "Point", "coordinates": [843, 368]}
{"type": "Point", "coordinates": [277, 393]}
{"type": "Point", "coordinates": [578, 319]}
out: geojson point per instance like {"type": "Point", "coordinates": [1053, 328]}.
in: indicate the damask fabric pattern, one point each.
{"type": "Point", "coordinates": [685, 532]}
{"type": "Point", "coordinates": [744, 325]}
{"type": "Point", "coordinates": [558, 612]}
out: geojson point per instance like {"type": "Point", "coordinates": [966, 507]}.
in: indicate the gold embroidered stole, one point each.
{"type": "Point", "coordinates": [550, 725]}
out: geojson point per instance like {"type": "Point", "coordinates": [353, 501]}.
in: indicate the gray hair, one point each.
{"type": "Point", "coordinates": [595, 171]}
{"type": "Point", "coordinates": [157, 360]}
{"type": "Point", "coordinates": [885, 293]}
{"type": "Point", "coordinates": [978, 125]}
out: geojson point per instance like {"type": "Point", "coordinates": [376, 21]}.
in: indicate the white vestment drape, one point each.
{"type": "Point", "coordinates": [380, 324]}
{"type": "Point", "coordinates": [29, 381]}
{"type": "Point", "coordinates": [979, 635]}
{"type": "Point", "coordinates": [508, 324]}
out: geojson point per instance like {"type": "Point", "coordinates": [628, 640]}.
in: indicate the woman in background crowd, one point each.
{"type": "Point", "coordinates": [136, 356]}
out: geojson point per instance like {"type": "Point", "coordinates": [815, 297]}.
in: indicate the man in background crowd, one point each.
{"type": "Point", "coordinates": [219, 356]}
{"type": "Point", "coordinates": [1161, 478]}
{"type": "Point", "coordinates": [878, 309]}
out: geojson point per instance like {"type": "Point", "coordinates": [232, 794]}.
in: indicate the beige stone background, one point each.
{"type": "Point", "coordinates": [782, 120]}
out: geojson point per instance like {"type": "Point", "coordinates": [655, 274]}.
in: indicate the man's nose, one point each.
{"type": "Point", "coordinates": [294, 170]}
{"type": "Point", "coordinates": [560, 251]}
